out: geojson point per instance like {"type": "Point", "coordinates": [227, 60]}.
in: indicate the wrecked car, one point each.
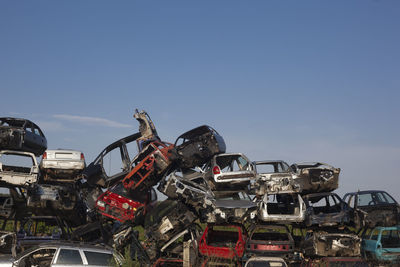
{"type": "Point", "coordinates": [316, 177]}
{"type": "Point", "coordinates": [326, 244]}
{"type": "Point", "coordinates": [22, 135]}
{"type": "Point", "coordinates": [197, 146]}
{"type": "Point", "coordinates": [265, 262]}
{"type": "Point", "coordinates": [210, 206]}
{"type": "Point", "coordinates": [121, 205]}
{"type": "Point", "coordinates": [8, 242]}
{"type": "Point", "coordinates": [147, 129]}
{"type": "Point", "coordinates": [381, 208]}
{"type": "Point", "coordinates": [282, 208]}
{"type": "Point", "coordinates": [328, 209]}
{"type": "Point", "coordinates": [335, 262]}
{"type": "Point", "coordinates": [113, 163]}
{"type": "Point", "coordinates": [195, 195]}
{"type": "Point", "coordinates": [26, 173]}
{"type": "Point", "coordinates": [6, 205]}
{"type": "Point", "coordinates": [64, 201]}
{"type": "Point", "coordinates": [65, 254]}
{"type": "Point", "coordinates": [61, 165]}
{"type": "Point", "coordinates": [229, 171]}
{"type": "Point", "coordinates": [382, 244]}
{"type": "Point", "coordinates": [37, 230]}
{"type": "Point", "coordinates": [270, 240]}
{"type": "Point", "coordinates": [274, 176]}
{"type": "Point", "coordinates": [232, 207]}
{"type": "Point", "coordinates": [150, 166]}
{"type": "Point", "coordinates": [166, 220]}
{"type": "Point", "coordinates": [223, 241]}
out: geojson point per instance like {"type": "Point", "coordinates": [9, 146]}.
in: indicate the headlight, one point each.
{"type": "Point", "coordinates": [101, 204]}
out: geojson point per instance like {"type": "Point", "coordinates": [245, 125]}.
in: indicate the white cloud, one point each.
{"type": "Point", "coordinates": [92, 121]}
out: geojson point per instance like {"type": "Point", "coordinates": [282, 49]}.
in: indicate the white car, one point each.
{"type": "Point", "coordinates": [18, 168]}
{"type": "Point", "coordinates": [62, 164]}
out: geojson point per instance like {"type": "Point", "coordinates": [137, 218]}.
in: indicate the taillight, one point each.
{"type": "Point", "coordinates": [82, 156]}
{"type": "Point", "coordinates": [216, 170]}
{"type": "Point", "coordinates": [44, 155]}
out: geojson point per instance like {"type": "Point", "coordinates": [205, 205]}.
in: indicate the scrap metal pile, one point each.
{"type": "Point", "coordinates": [221, 209]}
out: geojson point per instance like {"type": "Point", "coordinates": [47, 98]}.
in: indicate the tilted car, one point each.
{"type": "Point", "coordinates": [121, 204]}
{"type": "Point", "coordinates": [328, 209]}
{"type": "Point", "coordinates": [65, 254]}
{"type": "Point", "coordinates": [149, 166]}
{"type": "Point", "coordinates": [282, 208]}
{"type": "Point", "coordinates": [316, 177]}
{"type": "Point", "coordinates": [229, 171]}
{"type": "Point", "coordinates": [265, 262]}
{"type": "Point", "coordinates": [381, 208]}
{"type": "Point", "coordinates": [331, 244]}
{"type": "Point", "coordinates": [113, 163]}
{"type": "Point", "coordinates": [197, 146]}
{"type": "Point", "coordinates": [61, 165]}
{"type": "Point", "coordinates": [274, 176]}
{"type": "Point", "coordinates": [25, 173]}
{"type": "Point", "coordinates": [223, 241]}
{"type": "Point", "coordinates": [22, 135]}
{"type": "Point", "coordinates": [270, 240]}
{"type": "Point", "coordinates": [382, 244]}
{"type": "Point", "coordinates": [166, 220]}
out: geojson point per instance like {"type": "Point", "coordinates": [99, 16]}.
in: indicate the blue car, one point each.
{"type": "Point", "coordinates": [382, 244]}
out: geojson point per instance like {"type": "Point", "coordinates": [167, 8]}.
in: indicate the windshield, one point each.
{"type": "Point", "coordinates": [272, 167]}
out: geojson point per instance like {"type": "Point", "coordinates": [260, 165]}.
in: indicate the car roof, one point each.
{"type": "Point", "coordinates": [367, 192]}
{"type": "Point", "coordinates": [269, 161]}
{"type": "Point", "coordinates": [75, 245]}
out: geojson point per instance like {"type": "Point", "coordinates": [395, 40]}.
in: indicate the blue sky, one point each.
{"type": "Point", "coordinates": [292, 80]}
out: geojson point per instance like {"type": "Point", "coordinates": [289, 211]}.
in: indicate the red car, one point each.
{"type": "Point", "coordinates": [117, 203]}
{"type": "Point", "coordinates": [223, 242]}
{"type": "Point", "coordinates": [152, 162]}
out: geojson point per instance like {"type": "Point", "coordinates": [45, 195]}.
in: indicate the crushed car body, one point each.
{"type": "Point", "coordinates": [274, 176]}
{"type": "Point", "coordinates": [270, 240]}
{"type": "Point", "coordinates": [328, 209]}
{"type": "Point", "coordinates": [282, 208]}
{"type": "Point", "coordinates": [197, 146]}
{"type": "Point", "coordinates": [121, 205]}
{"type": "Point", "coordinates": [316, 177]}
{"type": "Point", "coordinates": [325, 244]}
{"type": "Point", "coordinates": [26, 173]}
{"type": "Point", "coordinates": [150, 165]}
{"type": "Point", "coordinates": [381, 208]}
{"type": "Point", "coordinates": [383, 244]}
{"type": "Point", "coordinates": [22, 135]}
{"type": "Point", "coordinates": [225, 241]}
{"type": "Point", "coordinates": [61, 165]}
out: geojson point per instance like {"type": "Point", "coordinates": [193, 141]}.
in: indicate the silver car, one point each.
{"type": "Point", "coordinates": [64, 254]}
{"type": "Point", "coordinates": [282, 208]}
{"type": "Point", "coordinates": [61, 164]}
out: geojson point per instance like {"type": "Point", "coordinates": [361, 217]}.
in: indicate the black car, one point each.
{"type": "Point", "coordinates": [22, 135]}
{"type": "Point", "coordinates": [120, 153]}
{"type": "Point", "coordinates": [197, 146]}
{"type": "Point", "coordinates": [380, 207]}
{"type": "Point", "coordinates": [328, 209]}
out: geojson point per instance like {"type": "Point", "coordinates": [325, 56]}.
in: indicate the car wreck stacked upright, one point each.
{"type": "Point", "coordinates": [221, 208]}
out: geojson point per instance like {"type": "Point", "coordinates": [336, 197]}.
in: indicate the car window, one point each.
{"type": "Point", "coordinates": [98, 258]}
{"type": "Point", "coordinates": [365, 199]}
{"type": "Point", "coordinates": [385, 198]}
{"type": "Point", "coordinates": [374, 234]}
{"type": "Point", "coordinates": [266, 168]}
{"type": "Point", "coordinates": [112, 162]}
{"type": "Point", "coordinates": [41, 257]}
{"type": "Point", "coordinates": [69, 256]}
{"type": "Point", "coordinates": [19, 160]}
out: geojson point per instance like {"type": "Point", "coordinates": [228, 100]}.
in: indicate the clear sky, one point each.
{"type": "Point", "coordinates": [293, 80]}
